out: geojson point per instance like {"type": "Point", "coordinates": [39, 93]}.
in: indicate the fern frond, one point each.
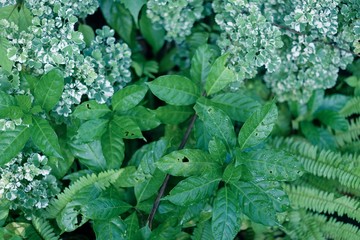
{"type": "Point", "coordinates": [44, 229]}
{"type": "Point", "coordinates": [321, 201]}
{"type": "Point", "coordinates": [351, 107]}
{"type": "Point", "coordinates": [349, 136]}
{"type": "Point", "coordinates": [345, 168]}
{"type": "Point", "coordinates": [102, 181]}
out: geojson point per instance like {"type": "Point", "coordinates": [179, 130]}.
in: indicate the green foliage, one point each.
{"type": "Point", "coordinates": [200, 119]}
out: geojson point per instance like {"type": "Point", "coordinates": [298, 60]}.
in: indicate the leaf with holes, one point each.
{"type": "Point", "coordinates": [90, 110]}
{"type": "Point", "coordinates": [175, 90]}
{"type": "Point", "coordinates": [126, 127]}
{"type": "Point", "coordinates": [258, 126]}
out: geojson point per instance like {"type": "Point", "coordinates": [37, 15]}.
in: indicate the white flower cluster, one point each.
{"type": "Point", "coordinates": [177, 17]}
{"type": "Point", "coordinates": [26, 182]}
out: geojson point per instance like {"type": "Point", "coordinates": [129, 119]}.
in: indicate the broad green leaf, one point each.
{"type": "Point", "coordinates": [201, 63]}
{"type": "Point", "coordinates": [203, 231]}
{"type": "Point", "coordinates": [126, 127]}
{"type": "Point", "coordinates": [45, 138]}
{"type": "Point", "coordinates": [90, 155]}
{"type": "Point", "coordinates": [276, 194]}
{"type": "Point", "coordinates": [191, 190]}
{"type": "Point", "coordinates": [219, 76]}
{"type": "Point", "coordinates": [237, 106]}
{"type": "Point", "coordinates": [71, 218]}
{"type": "Point", "coordinates": [317, 135]}
{"type": "Point", "coordinates": [49, 89]}
{"type": "Point", "coordinates": [4, 210]}
{"type": "Point", "coordinates": [12, 112]}
{"type": "Point", "coordinates": [332, 119]}
{"type": "Point", "coordinates": [59, 167]}
{"type": "Point", "coordinates": [170, 114]}
{"type": "Point", "coordinates": [271, 164]}
{"type": "Point", "coordinates": [129, 177]}
{"type": "Point", "coordinates": [225, 221]}
{"type": "Point", "coordinates": [105, 208]}
{"type": "Point", "coordinates": [154, 35]}
{"type": "Point", "coordinates": [188, 162]}
{"type": "Point", "coordinates": [132, 225]}
{"type": "Point", "coordinates": [113, 147]}
{"type": "Point", "coordinates": [217, 123]}
{"type": "Point", "coordinates": [232, 173]}
{"type": "Point", "coordinates": [90, 110]}
{"type": "Point", "coordinates": [175, 90]}
{"type": "Point", "coordinates": [218, 151]}
{"type": "Point", "coordinates": [128, 97]}
{"type": "Point", "coordinates": [258, 126]}
{"type": "Point", "coordinates": [24, 102]}
{"type": "Point", "coordinates": [91, 130]}
{"type": "Point", "coordinates": [112, 229]}
{"type": "Point", "coordinates": [134, 6]}
{"type": "Point", "coordinates": [352, 81]}
{"type": "Point", "coordinates": [88, 33]}
{"type": "Point", "coordinates": [12, 141]}
{"type": "Point", "coordinates": [315, 101]}
{"type": "Point", "coordinates": [119, 19]}
{"type": "Point", "coordinates": [149, 187]}
{"type": "Point", "coordinates": [143, 117]}
{"type": "Point", "coordinates": [6, 100]}
{"type": "Point", "coordinates": [5, 62]}
{"type": "Point", "coordinates": [255, 203]}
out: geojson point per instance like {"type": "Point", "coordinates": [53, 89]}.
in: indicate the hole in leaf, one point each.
{"type": "Point", "coordinates": [184, 160]}
{"type": "Point", "coordinates": [271, 171]}
{"type": "Point", "coordinates": [88, 106]}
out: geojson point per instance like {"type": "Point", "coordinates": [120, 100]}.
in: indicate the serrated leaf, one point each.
{"type": "Point", "coordinates": [45, 138]}
{"type": "Point", "coordinates": [219, 76]}
{"type": "Point", "coordinates": [126, 127]}
{"type": "Point", "coordinates": [258, 126]}
{"type": "Point", "coordinates": [91, 130]}
{"type": "Point", "coordinates": [175, 90]}
{"type": "Point", "coordinates": [134, 7]}
{"type": "Point", "coordinates": [255, 203]}
{"type": "Point", "coordinates": [225, 221]}
{"type": "Point", "coordinates": [49, 89]}
{"type": "Point", "coordinates": [105, 208]}
{"type": "Point", "coordinates": [90, 110]}
{"type": "Point", "coordinates": [12, 141]}
{"type": "Point", "coordinates": [90, 155]}
{"type": "Point", "coordinates": [128, 97]}
{"type": "Point", "coordinates": [132, 225]}
{"type": "Point", "coordinates": [237, 106]}
{"type": "Point", "coordinates": [143, 117]}
{"type": "Point", "coordinates": [188, 162]}
{"type": "Point", "coordinates": [113, 229]}
{"type": "Point", "coordinates": [332, 119]}
{"type": "Point", "coordinates": [113, 147]}
{"type": "Point", "coordinates": [217, 123]}
{"type": "Point", "coordinates": [149, 187]}
{"type": "Point", "coordinates": [192, 190]}
{"type": "Point", "coordinates": [170, 114]}
{"type": "Point", "coordinates": [201, 63]}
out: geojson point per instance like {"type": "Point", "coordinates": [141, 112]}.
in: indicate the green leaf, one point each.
{"type": "Point", "coordinates": [219, 76]}
{"type": "Point", "coordinates": [188, 162]}
{"type": "Point", "coordinates": [237, 106]}
{"type": "Point", "coordinates": [271, 164]}
{"type": "Point", "coordinates": [143, 117]}
{"type": "Point", "coordinates": [201, 63]}
{"type": "Point", "coordinates": [174, 89]}
{"type": "Point", "coordinates": [45, 138]}
{"type": "Point", "coordinates": [217, 123]}
{"type": "Point", "coordinates": [113, 229]}
{"type": "Point", "coordinates": [88, 33]}
{"type": "Point", "coordinates": [191, 190]}
{"type": "Point", "coordinates": [113, 147]}
{"type": "Point", "coordinates": [91, 130]}
{"type": "Point", "coordinates": [119, 19]}
{"type": "Point", "coordinates": [258, 127]}
{"type": "Point", "coordinates": [232, 173]}
{"type": "Point", "coordinates": [217, 149]}
{"type": "Point", "coordinates": [225, 221]}
{"type": "Point", "coordinates": [90, 155]}
{"type": "Point", "coordinates": [134, 7]}
{"type": "Point", "coordinates": [49, 89]}
{"type": "Point", "coordinates": [317, 135]}
{"type": "Point", "coordinates": [128, 97]}
{"type": "Point", "coordinates": [12, 112]}
{"type": "Point", "coordinates": [126, 127]}
{"type": "Point", "coordinates": [90, 110]}
{"type": "Point", "coordinates": [352, 81]}
{"type": "Point", "coordinates": [255, 203]}
{"type": "Point", "coordinates": [4, 210]}
{"type": "Point", "coordinates": [276, 195]}
{"type": "Point", "coordinates": [70, 218]}
{"type": "Point", "coordinates": [105, 208]}
{"type": "Point", "coordinates": [6, 100]}
{"type": "Point", "coordinates": [24, 102]}
{"type": "Point", "coordinates": [202, 135]}
{"type": "Point", "coordinates": [155, 36]}
{"type": "Point", "coordinates": [132, 225]}
{"type": "Point", "coordinates": [332, 119]}
{"type": "Point", "coordinates": [170, 114]}
{"type": "Point", "coordinates": [149, 187]}
{"type": "Point", "coordinates": [12, 141]}
{"type": "Point", "coordinates": [5, 62]}
{"type": "Point", "coordinates": [203, 231]}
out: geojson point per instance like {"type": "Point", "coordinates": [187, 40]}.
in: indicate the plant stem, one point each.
{"type": "Point", "coordinates": [166, 180]}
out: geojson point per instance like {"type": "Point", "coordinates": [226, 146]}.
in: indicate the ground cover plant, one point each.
{"type": "Point", "coordinates": [174, 119]}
